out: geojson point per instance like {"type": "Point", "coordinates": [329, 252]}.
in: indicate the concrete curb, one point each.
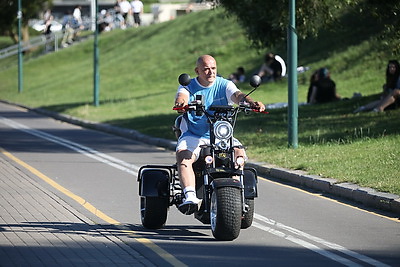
{"type": "Point", "coordinates": [367, 196]}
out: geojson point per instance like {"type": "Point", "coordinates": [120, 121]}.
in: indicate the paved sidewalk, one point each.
{"type": "Point", "coordinates": [39, 229]}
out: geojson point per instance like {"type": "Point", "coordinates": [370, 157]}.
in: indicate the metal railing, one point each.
{"type": "Point", "coordinates": [42, 40]}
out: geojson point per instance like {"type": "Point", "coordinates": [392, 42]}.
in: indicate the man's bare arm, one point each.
{"type": "Point", "coordinates": [239, 97]}
{"type": "Point", "coordinates": [181, 100]}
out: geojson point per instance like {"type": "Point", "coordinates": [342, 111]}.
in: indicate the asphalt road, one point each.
{"type": "Point", "coordinates": [292, 227]}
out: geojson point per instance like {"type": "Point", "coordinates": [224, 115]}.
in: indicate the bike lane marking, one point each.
{"type": "Point", "coordinates": [301, 240]}
{"type": "Point", "coordinates": [132, 169]}
{"type": "Point", "coordinates": [87, 151]}
{"type": "Point", "coordinates": [103, 158]}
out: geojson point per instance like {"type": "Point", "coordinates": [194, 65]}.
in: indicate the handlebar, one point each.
{"type": "Point", "coordinates": [193, 106]}
{"type": "Point", "coordinates": [247, 109]}
{"type": "Point", "coordinates": [258, 111]}
{"type": "Point", "coordinates": [185, 108]}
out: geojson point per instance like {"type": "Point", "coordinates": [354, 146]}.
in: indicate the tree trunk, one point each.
{"type": "Point", "coordinates": [13, 36]}
{"type": "Point", "coordinates": [25, 33]}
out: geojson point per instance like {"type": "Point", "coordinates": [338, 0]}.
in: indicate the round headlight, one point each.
{"type": "Point", "coordinates": [223, 130]}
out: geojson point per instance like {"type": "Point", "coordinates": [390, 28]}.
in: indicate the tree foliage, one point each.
{"type": "Point", "coordinates": [266, 21]}
{"type": "Point", "coordinates": [388, 14]}
{"type": "Point", "coordinates": [8, 14]}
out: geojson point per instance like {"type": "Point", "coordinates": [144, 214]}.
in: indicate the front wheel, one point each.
{"type": "Point", "coordinates": [153, 211]}
{"type": "Point", "coordinates": [226, 213]}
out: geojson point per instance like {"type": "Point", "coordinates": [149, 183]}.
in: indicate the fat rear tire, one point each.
{"type": "Point", "coordinates": [226, 213]}
{"type": "Point", "coordinates": [153, 211]}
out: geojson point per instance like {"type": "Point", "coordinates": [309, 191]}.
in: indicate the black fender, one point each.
{"type": "Point", "coordinates": [250, 183]}
{"type": "Point", "coordinates": [154, 183]}
{"type": "Point", "coordinates": [226, 182]}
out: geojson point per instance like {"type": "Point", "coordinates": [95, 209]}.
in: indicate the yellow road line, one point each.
{"type": "Point", "coordinates": [333, 200]}
{"type": "Point", "coordinates": [145, 241]}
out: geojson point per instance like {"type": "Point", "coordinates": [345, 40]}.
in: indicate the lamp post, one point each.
{"type": "Point", "coordinates": [20, 59]}
{"type": "Point", "coordinates": [292, 79]}
{"type": "Point", "coordinates": [96, 75]}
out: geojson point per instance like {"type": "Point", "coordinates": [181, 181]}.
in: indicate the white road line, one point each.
{"type": "Point", "coordinates": [306, 244]}
{"type": "Point", "coordinates": [133, 169]}
{"type": "Point", "coordinates": [94, 154]}
{"type": "Point", "coordinates": [315, 239]}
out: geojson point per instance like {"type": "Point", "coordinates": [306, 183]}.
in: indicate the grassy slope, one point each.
{"type": "Point", "coordinates": [139, 68]}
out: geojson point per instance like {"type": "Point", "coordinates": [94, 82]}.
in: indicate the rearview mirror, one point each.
{"type": "Point", "coordinates": [255, 81]}
{"type": "Point", "coordinates": [184, 79]}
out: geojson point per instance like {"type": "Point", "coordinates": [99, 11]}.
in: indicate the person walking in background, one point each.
{"type": "Point", "coordinates": [47, 21]}
{"type": "Point", "coordinates": [119, 19]}
{"type": "Point", "coordinates": [324, 89]}
{"type": "Point", "coordinates": [77, 14]}
{"type": "Point", "coordinates": [125, 8]}
{"type": "Point", "coordinates": [137, 8]}
{"type": "Point", "coordinates": [391, 85]}
{"type": "Point", "coordinates": [47, 16]}
{"type": "Point", "coordinates": [68, 25]}
{"type": "Point", "coordinates": [78, 24]}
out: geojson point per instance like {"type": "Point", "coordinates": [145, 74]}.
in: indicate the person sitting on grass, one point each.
{"type": "Point", "coordinates": [388, 96]}
{"type": "Point", "coordinates": [273, 68]}
{"type": "Point", "coordinates": [393, 98]}
{"type": "Point", "coordinates": [238, 76]}
{"type": "Point", "coordinates": [324, 89]}
{"type": "Point", "coordinates": [313, 80]}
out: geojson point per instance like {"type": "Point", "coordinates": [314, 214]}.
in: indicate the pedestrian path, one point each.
{"type": "Point", "coordinates": [37, 228]}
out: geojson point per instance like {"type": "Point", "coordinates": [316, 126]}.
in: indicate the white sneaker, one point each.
{"type": "Point", "coordinates": [189, 205]}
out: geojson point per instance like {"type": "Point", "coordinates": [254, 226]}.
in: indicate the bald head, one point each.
{"type": "Point", "coordinates": [204, 58]}
{"type": "Point", "coordinates": [206, 69]}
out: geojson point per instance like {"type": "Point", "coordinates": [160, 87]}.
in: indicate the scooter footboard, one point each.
{"type": "Point", "coordinates": [154, 181]}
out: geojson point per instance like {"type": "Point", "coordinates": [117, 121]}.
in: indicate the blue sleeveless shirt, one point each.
{"type": "Point", "coordinates": [213, 95]}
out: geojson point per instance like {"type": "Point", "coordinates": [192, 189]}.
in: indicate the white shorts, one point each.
{"type": "Point", "coordinates": [193, 143]}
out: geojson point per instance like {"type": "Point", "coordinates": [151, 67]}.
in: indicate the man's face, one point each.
{"type": "Point", "coordinates": [207, 71]}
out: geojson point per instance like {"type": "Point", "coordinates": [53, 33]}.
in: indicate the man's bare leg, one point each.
{"type": "Point", "coordinates": [185, 160]}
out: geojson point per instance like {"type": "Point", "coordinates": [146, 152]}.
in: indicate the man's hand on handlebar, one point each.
{"type": "Point", "coordinates": [242, 99]}
{"type": "Point", "coordinates": [257, 106]}
{"type": "Point", "coordinates": [180, 107]}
